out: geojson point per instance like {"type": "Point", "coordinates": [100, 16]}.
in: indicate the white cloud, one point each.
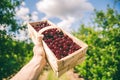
{"type": "Point", "coordinates": [23, 4]}
{"type": "Point", "coordinates": [65, 24]}
{"type": "Point", "coordinates": [34, 16]}
{"type": "Point", "coordinates": [64, 9]}
{"type": "Point", "coordinates": [22, 12]}
{"type": "Point", "coordinates": [22, 36]}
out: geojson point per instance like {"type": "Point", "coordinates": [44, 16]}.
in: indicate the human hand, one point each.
{"type": "Point", "coordinates": [39, 53]}
{"type": "Point", "coordinates": [32, 69]}
{"type": "Point", "coordinates": [38, 49]}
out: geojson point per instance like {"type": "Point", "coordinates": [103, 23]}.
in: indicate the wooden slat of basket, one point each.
{"type": "Point", "coordinates": [70, 60]}
{"type": "Point", "coordinates": [50, 56]}
{"type": "Point", "coordinates": [57, 68]}
{"type": "Point", "coordinates": [69, 67]}
{"type": "Point", "coordinates": [30, 25]}
{"type": "Point", "coordinates": [32, 33]}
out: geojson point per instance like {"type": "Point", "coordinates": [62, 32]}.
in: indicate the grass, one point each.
{"type": "Point", "coordinates": [52, 76]}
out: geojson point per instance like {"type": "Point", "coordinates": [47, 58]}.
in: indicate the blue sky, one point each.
{"type": "Point", "coordinates": [84, 17]}
{"type": "Point", "coordinates": [67, 14]}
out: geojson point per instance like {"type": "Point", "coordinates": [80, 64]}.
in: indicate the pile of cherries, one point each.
{"type": "Point", "coordinates": [60, 44]}
{"type": "Point", "coordinates": [41, 25]}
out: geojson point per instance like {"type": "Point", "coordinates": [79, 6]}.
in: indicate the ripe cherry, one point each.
{"type": "Point", "coordinates": [59, 43]}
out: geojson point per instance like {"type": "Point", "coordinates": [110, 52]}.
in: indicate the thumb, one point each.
{"type": "Point", "coordinates": [39, 39]}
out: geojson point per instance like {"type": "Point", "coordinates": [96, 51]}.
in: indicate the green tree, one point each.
{"type": "Point", "coordinates": [13, 54]}
{"type": "Point", "coordinates": [7, 13]}
{"type": "Point", "coordinates": [103, 39]}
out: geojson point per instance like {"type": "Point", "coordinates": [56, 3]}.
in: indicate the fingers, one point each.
{"type": "Point", "coordinates": [39, 39]}
{"type": "Point", "coordinates": [38, 48]}
{"type": "Point", "coordinates": [38, 51]}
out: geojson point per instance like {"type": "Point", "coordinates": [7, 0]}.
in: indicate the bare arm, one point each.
{"type": "Point", "coordinates": [32, 70]}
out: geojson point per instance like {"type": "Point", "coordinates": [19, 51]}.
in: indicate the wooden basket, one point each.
{"type": "Point", "coordinates": [66, 63]}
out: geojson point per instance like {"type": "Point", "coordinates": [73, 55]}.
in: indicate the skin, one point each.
{"type": "Point", "coordinates": [32, 69]}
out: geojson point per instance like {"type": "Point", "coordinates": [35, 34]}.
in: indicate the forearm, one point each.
{"type": "Point", "coordinates": [32, 70]}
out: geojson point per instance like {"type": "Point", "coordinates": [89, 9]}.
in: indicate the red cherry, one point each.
{"type": "Point", "coordinates": [59, 43]}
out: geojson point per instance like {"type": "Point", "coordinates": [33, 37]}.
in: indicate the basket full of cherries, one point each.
{"type": "Point", "coordinates": [63, 50]}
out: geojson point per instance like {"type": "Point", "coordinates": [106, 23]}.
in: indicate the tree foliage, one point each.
{"type": "Point", "coordinates": [13, 54]}
{"type": "Point", "coordinates": [7, 13]}
{"type": "Point", "coordinates": [103, 39]}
